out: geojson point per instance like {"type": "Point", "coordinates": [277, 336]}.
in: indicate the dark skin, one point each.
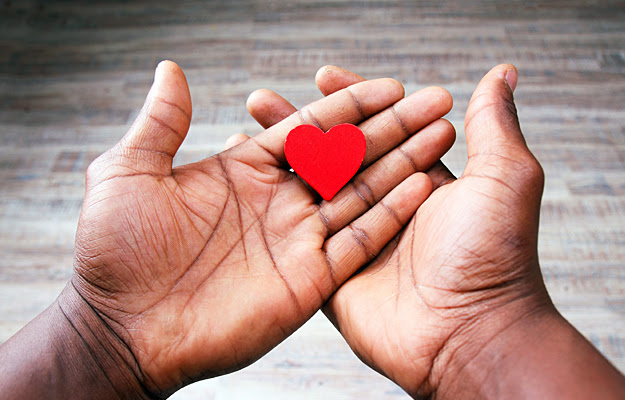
{"type": "Point", "coordinates": [196, 271]}
{"type": "Point", "coordinates": [455, 306]}
{"type": "Point", "coordinates": [193, 272]}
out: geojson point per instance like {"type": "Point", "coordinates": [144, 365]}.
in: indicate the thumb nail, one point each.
{"type": "Point", "coordinates": [159, 73]}
{"type": "Point", "coordinates": [158, 70]}
{"type": "Point", "coordinates": [512, 78]}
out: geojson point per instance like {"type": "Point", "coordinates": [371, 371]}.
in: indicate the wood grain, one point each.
{"type": "Point", "coordinates": [73, 77]}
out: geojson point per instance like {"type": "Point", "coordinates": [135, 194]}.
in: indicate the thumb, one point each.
{"type": "Point", "coordinates": [492, 128]}
{"type": "Point", "coordinates": [497, 149]}
{"type": "Point", "coordinates": [161, 126]}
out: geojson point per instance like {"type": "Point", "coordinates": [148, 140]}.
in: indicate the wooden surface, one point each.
{"type": "Point", "coordinates": [72, 78]}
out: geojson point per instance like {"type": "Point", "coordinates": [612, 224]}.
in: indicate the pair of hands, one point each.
{"type": "Point", "coordinates": [201, 269]}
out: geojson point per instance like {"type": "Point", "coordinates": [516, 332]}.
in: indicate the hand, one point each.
{"type": "Point", "coordinates": [466, 267]}
{"type": "Point", "coordinates": [201, 269]}
{"type": "Point", "coordinates": [460, 289]}
{"type": "Point", "coordinates": [470, 248]}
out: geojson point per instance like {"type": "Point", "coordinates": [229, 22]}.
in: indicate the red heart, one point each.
{"type": "Point", "coordinates": [327, 161]}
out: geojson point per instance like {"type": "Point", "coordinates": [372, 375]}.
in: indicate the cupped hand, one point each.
{"type": "Point", "coordinates": [465, 268]}
{"type": "Point", "coordinates": [201, 269]}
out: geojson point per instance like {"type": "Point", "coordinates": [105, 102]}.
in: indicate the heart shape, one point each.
{"type": "Point", "coordinates": [326, 161]}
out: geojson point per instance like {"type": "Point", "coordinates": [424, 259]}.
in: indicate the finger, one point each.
{"type": "Point", "coordinates": [384, 131]}
{"type": "Point", "coordinates": [495, 145]}
{"type": "Point", "coordinates": [417, 154]}
{"type": "Point", "coordinates": [235, 140]}
{"type": "Point", "coordinates": [491, 123]}
{"type": "Point", "coordinates": [440, 175]}
{"type": "Point", "coordinates": [351, 105]}
{"type": "Point", "coordinates": [268, 107]}
{"type": "Point", "coordinates": [378, 266]}
{"type": "Point", "coordinates": [359, 242]}
{"type": "Point", "coordinates": [405, 118]}
{"type": "Point", "coordinates": [161, 126]}
{"type": "Point", "coordinates": [331, 79]}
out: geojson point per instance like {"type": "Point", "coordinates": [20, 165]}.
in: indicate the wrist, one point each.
{"type": "Point", "coordinates": [492, 330]}
{"type": "Point", "coordinates": [528, 351]}
{"type": "Point", "coordinates": [485, 353]}
{"type": "Point", "coordinates": [68, 351]}
{"type": "Point", "coordinates": [102, 359]}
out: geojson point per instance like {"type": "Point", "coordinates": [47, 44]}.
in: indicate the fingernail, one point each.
{"type": "Point", "coordinates": [162, 63]}
{"type": "Point", "coordinates": [512, 78]}
{"type": "Point", "coordinates": [159, 66]}
{"type": "Point", "coordinates": [158, 74]}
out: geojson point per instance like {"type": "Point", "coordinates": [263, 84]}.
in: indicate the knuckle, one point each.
{"type": "Point", "coordinates": [487, 106]}
{"type": "Point", "coordinates": [534, 172]}
{"type": "Point", "coordinates": [96, 167]}
{"type": "Point", "coordinates": [364, 192]}
{"type": "Point", "coordinates": [410, 159]}
{"type": "Point", "coordinates": [528, 172]}
{"type": "Point", "coordinates": [169, 116]}
{"type": "Point", "coordinates": [307, 116]}
{"type": "Point", "coordinates": [363, 240]}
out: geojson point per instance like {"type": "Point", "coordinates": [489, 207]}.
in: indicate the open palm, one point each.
{"type": "Point", "coordinates": [203, 268]}
{"type": "Point", "coordinates": [469, 250]}
{"type": "Point", "coordinates": [461, 258]}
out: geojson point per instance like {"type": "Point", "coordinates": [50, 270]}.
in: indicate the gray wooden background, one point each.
{"type": "Point", "coordinates": [73, 76]}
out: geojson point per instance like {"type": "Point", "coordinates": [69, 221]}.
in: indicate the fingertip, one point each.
{"type": "Point", "coordinates": [447, 132]}
{"type": "Point", "coordinates": [333, 70]}
{"type": "Point", "coordinates": [423, 185]}
{"type": "Point", "coordinates": [268, 107]}
{"type": "Point", "coordinates": [445, 100]}
{"type": "Point", "coordinates": [169, 70]}
{"type": "Point", "coordinates": [504, 73]}
{"type": "Point", "coordinates": [409, 194]}
{"type": "Point", "coordinates": [235, 140]}
{"type": "Point", "coordinates": [324, 80]}
{"type": "Point", "coordinates": [330, 79]}
{"type": "Point", "coordinates": [255, 98]}
{"type": "Point", "coordinates": [323, 71]}
{"type": "Point", "coordinates": [167, 65]}
{"type": "Point", "coordinates": [397, 85]}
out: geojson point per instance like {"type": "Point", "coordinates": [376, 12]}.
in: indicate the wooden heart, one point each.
{"type": "Point", "coordinates": [326, 161]}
